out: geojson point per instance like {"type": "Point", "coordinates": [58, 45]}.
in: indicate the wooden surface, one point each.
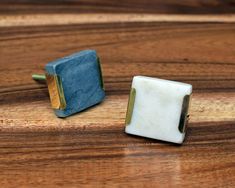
{"type": "Point", "coordinates": [194, 44]}
{"type": "Point", "coordinates": [118, 6]}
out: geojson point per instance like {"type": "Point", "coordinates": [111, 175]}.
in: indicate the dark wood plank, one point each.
{"type": "Point", "coordinates": [110, 158]}
{"type": "Point", "coordinates": [198, 53]}
{"type": "Point", "coordinates": [117, 6]}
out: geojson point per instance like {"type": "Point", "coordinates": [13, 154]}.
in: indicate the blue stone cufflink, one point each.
{"type": "Point", "coordinates": [74, 82]}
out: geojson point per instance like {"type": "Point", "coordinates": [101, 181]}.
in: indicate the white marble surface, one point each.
{"type": "Point", "coordinates": [157, 108]}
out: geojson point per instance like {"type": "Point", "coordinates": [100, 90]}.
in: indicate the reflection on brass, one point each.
{"type": "Point", "coordinates": [184, 114]}
{"type": "Point", "coordinates": [101, 77]}
{"type": "Point", "coordinates": [56, 92]}
{"type": "Point", "coordinates": [130, 106]}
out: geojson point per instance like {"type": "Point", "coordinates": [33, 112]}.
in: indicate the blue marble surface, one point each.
{"type": "Point", "coordinates": [81, 81]}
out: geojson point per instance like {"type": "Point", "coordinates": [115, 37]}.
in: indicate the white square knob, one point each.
{"type": "Point", "coordinates": [158, 109]}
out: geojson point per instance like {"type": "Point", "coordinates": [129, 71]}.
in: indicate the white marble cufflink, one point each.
{"type": "Point", "coordinates": [158, 109]}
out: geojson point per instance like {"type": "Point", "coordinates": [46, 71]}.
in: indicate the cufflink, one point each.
{"type": "Point", "coordinates": [158, 109]}
{"type": "Point", "coordinates": [74, 82]}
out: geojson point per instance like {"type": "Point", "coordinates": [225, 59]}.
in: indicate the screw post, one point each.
{"type": "Point", "coordinates": [39, 77]}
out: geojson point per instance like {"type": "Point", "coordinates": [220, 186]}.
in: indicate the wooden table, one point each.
{"type": "Point", "coordinates": [191, 41]}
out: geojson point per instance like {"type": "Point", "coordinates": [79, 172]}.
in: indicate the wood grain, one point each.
{"type": "Point", "coordinates": [198, 53]}
{"type": "Point", "coordinates": [205, 107]}
{"type": "Point", "coordinates": [117, 6]}
{"type": "Point", "coordinates": [72, 19]}
{"type": "Point", "coordinates": [109, 158]}
{"type": "Point", "coordinates": [90, 149]}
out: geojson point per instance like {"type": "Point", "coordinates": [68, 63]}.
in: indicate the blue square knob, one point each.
{"type": "Point", "coordinates": [74, 82]}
